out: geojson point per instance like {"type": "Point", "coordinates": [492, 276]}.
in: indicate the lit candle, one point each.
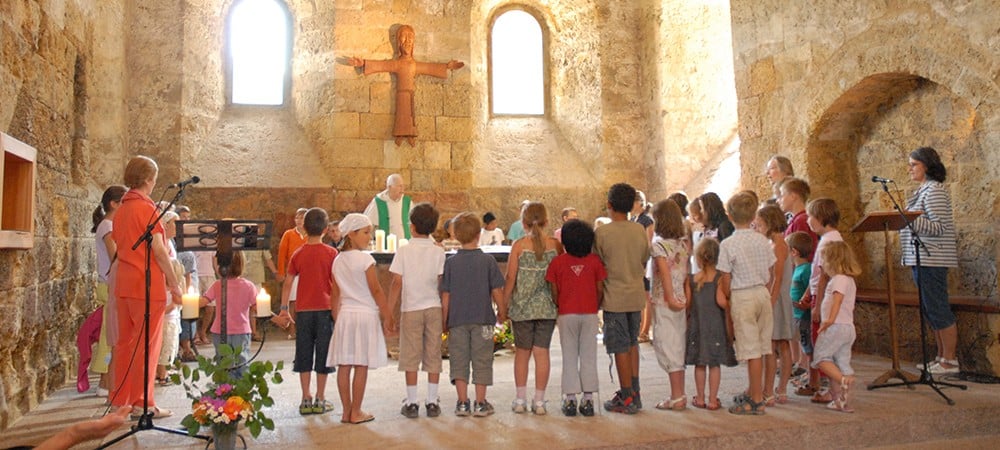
{"type": "Point", "coordinates": [189, 304]}
{"type": "Point", "coordinates": [379, 241]}
{"type": "Point", "coordinates": [263, 303]}
{"type": "Point", "coordinates": [390, 243]}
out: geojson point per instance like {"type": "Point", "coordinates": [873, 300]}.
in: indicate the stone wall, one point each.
{"type": "Point", "coordinates": [847, 89]}
{"type": "Point", "coordinates": [61, 91]}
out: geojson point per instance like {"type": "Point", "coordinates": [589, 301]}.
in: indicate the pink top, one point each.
{"type": "Point", "coordinates": [845, 285]}
{"type": "Point", "coordinates": [241, 295]}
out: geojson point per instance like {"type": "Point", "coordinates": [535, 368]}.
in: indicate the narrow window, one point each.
{"type": "Point", "coordinates": [259, 52]}
{"type": "Point", "coordinates": [517, 64]}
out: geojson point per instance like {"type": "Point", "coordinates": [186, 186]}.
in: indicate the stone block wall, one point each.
{"type": "Point", "coordinates": [61, 91]}
{"type": "Point", "coordinates": [846, 90]}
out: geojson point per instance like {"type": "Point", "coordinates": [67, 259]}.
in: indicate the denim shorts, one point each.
{"type": "Point", "coordinates": [804, 325]}
{"type": "Point", "coordinates": [621, 330]}
{"type": "Point", "coordinates": [834, 345]}
{"type": "Point", "coordinates": [934, 290]}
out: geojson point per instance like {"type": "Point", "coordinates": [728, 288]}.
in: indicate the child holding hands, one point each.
{"type": "Point", "coordinates": [668, 269]}
{"type": "Point", "coordinates": [836, 331]}
{"type": "Point", "coordinates": [708, 343]}
{"type": "Point", "coordinates": [358, 343]}
{"type": "Point", "coordinates": [770, 222]}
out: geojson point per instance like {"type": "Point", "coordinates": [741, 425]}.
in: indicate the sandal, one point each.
{"type": "Point", "coordinates": [747, 408]}
{"type": "Point", "coordinates": [822, 396]}
{"type": "Point", "coordinates": [780, 397]}
{"type": "Point", "coordinates": [845, 388]}
{"type": "Point", "coordinates": [769, 400]}
{"type": "Point", "coordinates": [165, 381]}
{"type": "Point", "coordinates": [698, 403]}
{"type": "Point", "coordinates": [806, 391]}
{"type": "Point", "coordinates": [674, 404]}
{"type": "Point", "coordinates": [714, 405]}
{"type": "Point", "coordinates": [837, 405]}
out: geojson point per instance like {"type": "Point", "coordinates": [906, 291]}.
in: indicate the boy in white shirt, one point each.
{"type": "Point", "coordinates": [491, 233]}
{"type": "Point", "coordinates": [416, 272]}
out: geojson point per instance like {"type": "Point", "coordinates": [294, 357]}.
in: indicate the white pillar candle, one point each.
{"type": "Point", "coordinates": [263, 303]}
{"type": "Point", "coordinates": [390, 243]}
{"type": "Point", "coordinates": [189, 304]}
{"type": "Point", "coordinates": [380, 241]}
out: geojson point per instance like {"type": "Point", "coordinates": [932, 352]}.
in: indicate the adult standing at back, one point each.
{"type": "Point", "coordinates": [389, 210]}
{"type": "Point", "coordinates": [136, 211]}
{"type": "Point", "coordinates": [291, 240]}
{"type": "Point", "coordinates": [936, 227]}
{"type": "Point", "coordinates": [778, 168]}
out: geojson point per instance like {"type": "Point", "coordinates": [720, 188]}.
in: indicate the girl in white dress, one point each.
{"type": "Point", "coordinates": [358, 342]}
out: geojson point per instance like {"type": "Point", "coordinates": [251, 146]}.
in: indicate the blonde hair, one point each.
{"type": "Point", "coordinates": [838, 259]}
{"type": "Point", "coordinates": [741, 207]}
{"type": "Point", "coordinates": [535, 218]}
{"type": "Point", "coordinates": [707, 252]}
{"type": "Point", "coordinates": [139, 170]}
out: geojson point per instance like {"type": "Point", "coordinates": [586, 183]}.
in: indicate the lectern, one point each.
{"type": "Point", "coordinates": [886, 221]}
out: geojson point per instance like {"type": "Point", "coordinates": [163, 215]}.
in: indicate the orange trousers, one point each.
{"type": "Point", "coordinates": [129, 352]}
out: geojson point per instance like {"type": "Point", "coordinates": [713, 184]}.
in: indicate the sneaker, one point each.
{"type": "Point", "coordinates": [410, 410]}
{"type": "Point", "coordinates": [306, 407]}
{"type": "Point", "coordinates": [433, 409]}
{"type": "Point", "coordinates": [587, 408]}
{"type": "Point", "coordinates": [101, 392]}
{"type": "Point", "coordinates": [321, 406]}
{"type": "Point", "coordinates": [462, 409]}
{"type": "Point", "coordinates": [539, 407]}
{"type": "Point", "coordinates": [569, 408]}
{"type": "Point", "coordinates": [637, 399]}
{"type": "Point", "coordinates": [928, 365]}
{"type": "Point", "coordinates": [519, 406]}
{"type": "Point", "coordinates": [483, 409]}
{"type": "Point", "coordinates": [620, 404]}
{"type": "Point", "coordinates": [938, 369]}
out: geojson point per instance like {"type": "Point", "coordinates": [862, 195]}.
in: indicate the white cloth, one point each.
{"type": "Point", "coordinates": [669, 334]}
{"type": "Point", "coordinates": [103, 258]}
{"type": "Point", "coordinates": [206, 263]}
{"type": "Point", "coordinates": [420, 263]}
{"type": "Point", "coordinates": [354, 221]}
{"type": "Point", "coordinates": [357, 336]}
{"type": "Point", "coordinates": [349, 273]}
{"type": "Point", "coordinates": [845, 285]}
{"type": "Point", "coordinates": [395, 208]}
{"type": "Point", "coordinates": [491, 237]}
{"type": "Point", "coordinates": [817, 263]}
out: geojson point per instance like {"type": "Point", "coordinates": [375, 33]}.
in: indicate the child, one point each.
{"type": "Point", "coordinates": [708, 343]}
{"type": "Point", "coordinates": [770, 222]}
{"type": "Point", "coordinates": [577, 280]}
{"type": "Point", "coordinates": [416, 272]}
{"type": "Point", "coordinates": [713, 217]}
{"type": "Point", "coordinates": [794, 195]}
{"type": "Point", "coordinates": [823, 217]}
{"type": "Point", "coordinates": [624, 249]}
{"type": "Point", "coordinates": [291, 240]}
{"type": "Point", "coordinates": [836, 333]}
{"type": "Point", "coordinates": [800, 250]}
{"type": "Point", "coordinates": [241, 297]}
{"type": "Point", "coordinates": [310, 272]}
{"type": "Point", "coordinates": [668, 269]}
{"type": "Point", "coordinates": [532, 311]}
{"type": "Point", "coordinates": [745, 260]}
{"type": "Point", "coordinates": [568, 213]}
{"type": "Point", "coordinates": [695, 219]}
{"type": "Point", "coordinates": [358, 343]}
{"type": "Point", "coordinates": [491, 234]}
{"type": "Point", "coordinates": [172, 315]}
{"type": "Point", "coordinates": [470, 281]}
{"type": "Point", "coordinates": [106, 253]}
{"type": "Point", "coordinates": [450, 243]}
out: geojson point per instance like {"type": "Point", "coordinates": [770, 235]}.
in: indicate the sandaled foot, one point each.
{"type": "Point", "coordinates": [747, 408]}
{"type": "Point", "coordinates": [674, 404]}
{"type": "Point", "coordinates": [836, 405]}
{"type": "Point", "coordinates": [781, 398]}
{"type": "Point", "coordinates": [769, 400]}
{"type": "Point", "coordinates": [698, 402]}
{"type": "Point", "coordinates": [364, 417]}
{"type": "Point", "coordinates": [822, 397]}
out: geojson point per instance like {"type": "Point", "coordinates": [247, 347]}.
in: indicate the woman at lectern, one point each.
{"type": "Point", "coordinates": [936, 228]}
{"type": "Point", "coordinates": [136, 211]}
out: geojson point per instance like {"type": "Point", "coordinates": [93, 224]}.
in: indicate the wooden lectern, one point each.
{"type": "Point", "coordinates": [886, 221]}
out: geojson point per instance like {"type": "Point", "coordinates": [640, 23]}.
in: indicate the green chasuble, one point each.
{"type": "Point", "coordinates": [383, 215]}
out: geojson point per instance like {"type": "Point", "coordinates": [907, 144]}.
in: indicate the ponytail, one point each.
{"type": "Point", "coordinates": [534, 219]}
{"type": "Point", "coordinates": [111, 194]}
{"type": "Point", "coordinates": [98, 217]}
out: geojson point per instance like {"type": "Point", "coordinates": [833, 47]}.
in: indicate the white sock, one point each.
{"type": "Point", "coordinates": [521, 392]}
{"type": "Point", "coordinates": [432, 392]}
{"type": "Point", "coordinates": [539, 395]}
{"type": "Point", "coordinates": [588, 395]}
{"type": "Point", "coordinates": [571, 397]}
{"type": "Point", "coordinates": [411, 394]}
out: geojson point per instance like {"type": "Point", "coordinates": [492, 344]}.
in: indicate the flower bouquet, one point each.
{"type": "Point", "coordinates": [221, 401]}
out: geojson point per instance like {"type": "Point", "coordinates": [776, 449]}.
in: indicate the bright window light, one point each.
{"type": "Point", "coordinates": [517, 64]}
{"type": "Point", "coordinates": [258, 46]}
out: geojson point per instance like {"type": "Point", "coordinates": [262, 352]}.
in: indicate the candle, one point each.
{"type": "Point", "coordinates": [390, 243]}
{"type": "Point", "coordinates": [379, 241]}
{"type": "Point", "coordinates": [263, 303]}
{"type": "Point", "coordinates": [189, 304]}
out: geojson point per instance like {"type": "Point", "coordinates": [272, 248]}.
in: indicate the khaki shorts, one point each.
{"type": "Point", "coordinates": [533, 333]}
{"type": "Point", "coordinates": [420, 341]}
{"type": "Point", "coordinates": [753, 322]}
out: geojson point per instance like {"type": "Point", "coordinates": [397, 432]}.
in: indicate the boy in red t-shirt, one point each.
{"type": "Point", "coordinates": [313, 263]}
{"type": "Point", "coordinates": [577, 280]}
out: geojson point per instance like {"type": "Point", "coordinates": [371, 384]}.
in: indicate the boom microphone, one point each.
{"type": "Point", "coordinates": [182, 184]}
{"type": "Point", "coordinates": [875, 179]}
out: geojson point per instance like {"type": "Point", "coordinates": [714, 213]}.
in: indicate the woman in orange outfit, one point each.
{"type": "Point", "coordinates": [136, 211]}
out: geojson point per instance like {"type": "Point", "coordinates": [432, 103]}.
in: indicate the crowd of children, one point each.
{"type": "Point", "coordinates": [734, 282]}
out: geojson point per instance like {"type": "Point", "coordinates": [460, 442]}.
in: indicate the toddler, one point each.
{"type": "Point", "coordinates": [836, 332]}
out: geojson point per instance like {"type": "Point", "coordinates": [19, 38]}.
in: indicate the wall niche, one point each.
{"type": "Point", "coordinates": [17, 193]}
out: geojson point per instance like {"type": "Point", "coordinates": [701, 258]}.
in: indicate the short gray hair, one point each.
{"type": "Point", "coordinates": [393, 180]}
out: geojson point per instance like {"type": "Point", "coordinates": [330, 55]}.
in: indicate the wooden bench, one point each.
{"type": "Point", "coordinates": [971, 303]}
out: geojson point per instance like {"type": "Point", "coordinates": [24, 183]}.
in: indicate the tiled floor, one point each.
{"type": "Point", "coordinates": [885, 418]}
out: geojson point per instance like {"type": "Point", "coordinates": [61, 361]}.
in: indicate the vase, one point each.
{"type": "Point", "coordinates": [224, 437]}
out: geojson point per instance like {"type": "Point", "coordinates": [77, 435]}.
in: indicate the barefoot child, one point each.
{"type": "Point", "coordinates": [836, 331]}
{"type": "Point", "coordinates": [358, 343]}
{"type": "Point", "coordinates": [708, 343]}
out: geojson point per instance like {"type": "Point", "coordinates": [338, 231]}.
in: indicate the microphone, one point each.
{"type": "Point", "coordinates": [183, 184]}
{"type": "Point", "coordinates": [875, 179]}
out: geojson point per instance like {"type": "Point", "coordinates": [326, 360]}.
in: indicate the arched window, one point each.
{"type": "Point", "coordinates": [517, 64]}
{"type": "Point", "coordinates": [258, 52]}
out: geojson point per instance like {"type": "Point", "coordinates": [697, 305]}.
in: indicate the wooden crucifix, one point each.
{"type": "Point", "coordinates": [406, 69]}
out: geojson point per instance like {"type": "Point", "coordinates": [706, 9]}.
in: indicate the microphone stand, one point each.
{"type": "Point", "coordinates": [926, 378]}
{"type": "Point", "coordinates": [146, 419]}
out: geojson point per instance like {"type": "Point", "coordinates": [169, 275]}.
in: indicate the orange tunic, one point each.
{"type": "Point", "coordinates": [290, 242]}
{"type": "Point", "coordinates": [130, 221]}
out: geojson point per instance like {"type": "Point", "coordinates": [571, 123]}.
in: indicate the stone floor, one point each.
{"type": "Point", "coordinates": [885, 418]}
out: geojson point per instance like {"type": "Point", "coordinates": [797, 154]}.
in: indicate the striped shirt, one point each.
{"type": "Point", "coordinates": [936, 227]}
